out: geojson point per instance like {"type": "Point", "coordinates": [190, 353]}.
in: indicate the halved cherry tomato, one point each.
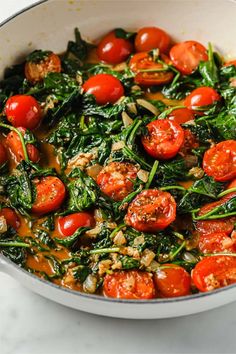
{"type": "Point", "coordinates": [231, 62]}
{"type": "Point", "coordinates": [216, 242]}
{"type": "Point", "coordinates": [200, 98]}
{"type": "Point", "coordinates": [186, 56]}
{"type": "Point", "coordinates": [35, 72]}
{"type": "Point", "coordinates": [172, 280]}
{"type": "Point", "coordinates": [50, 194]}
{"type": "Point", "coordinates": [3, 155]}
{"type": "Point", "coordinates": [164, 139]}
{"type": "Point", "coordinates": [220, 161]}
{"type": "Point", "coordinates": [152, 210]}
{"type": "Point", "coordinates": [214, 272]}
{"type": "Point", "coordinates": [15, 146]}
{"type": "Point", "coordinates": [149, 72]}
{"type": "Point", "coordinates": [105, 87]}
{"type": "Point", "coordinates": [114, 50]}
{"type": "Point", "coordinates": [232, 184]}
{"type": "Point", "coordinates": [67, 225]}
{"type": "Point", "coordinates": [11, 217]}
{"type": "Point", "coordinates": [149, 38]}
{"type": "Point", "coordinates": [116, 179]}
{"type": "Point", "coordinates": [23, 111]}
{"type": "Point", "coordinates": [131, 284]}
{"type": "Point", "coordinates": [181, 115]}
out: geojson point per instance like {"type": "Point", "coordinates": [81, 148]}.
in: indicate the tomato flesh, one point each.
{"type": "Point", "coordinates": [172, 280]}
{"type": "Point", "coordinates": [181, 115]}
{"type": "Point", "coordinates": [152, 210]}
{"type": "Point", "coordinates": [219, 161]}
{"type": "Point", "coordinates": [187, 55]}
{"type": "Point", "coordinates": [131, 284]}
{"type": "Point", "coordinates": [149, 38]}
{"type": "Point", "coordinates": [164, 139]}
{"type": "Point", "coordinates": [214, 272]}
{"type": "Point", "coordinates": [35, 72]}
{"type": "Point", "coordinates": [67, 225]}
{"type": "Point", "coordinates": [200, 98]}
{"type": "Point", "coordinates": [3, 155]}
{"type": "Point", "coordinates": [50, 194]}
{"type": "Point", "coordinates": [105, 88]}
{"type": "Point", "coordinates": [11, 217]}
{"type": "Point", "coordinates": [216, 242]}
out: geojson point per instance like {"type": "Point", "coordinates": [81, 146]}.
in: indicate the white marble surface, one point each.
{"type": "Point", "coordinates": [30, 324]}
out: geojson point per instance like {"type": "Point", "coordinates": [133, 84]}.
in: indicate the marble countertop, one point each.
{"type": "Point", "coordinates": [30, 324]}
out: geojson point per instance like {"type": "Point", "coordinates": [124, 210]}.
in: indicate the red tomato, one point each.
{"type": "Point", "coordinates": [35, 72]}
{"type": "Point", "coordinates": [105, 87]}
{"type": "Point", "coordinates": [154, 73]}
{"type": "Point", "coordinates": [186, 56]}
{"type": "Point", "coordinates": [220, 161]}
{"type": "Point", "coordinates": [216, 242]}
{"type": "Point", "coordinates": [152, 210]}
{"type": "Point", "coordinates": [181, 115]}
{"type": "Point", "coordinates": [232, 184]}
{"type": "Point", "coordinates": [67, 225]}
{"type": "Point", "coordinates": [23, 111]}
{"type": "Point", "coordinates": [131, 284]}
{"type": "Point", "coordinates": [231, 62]}
{"type": "Point", "coordinates": [15, 146]}
{"type": "Point", "coordinates": [149, 38]}
{"type": "Point", "coordinates": [200, 98]}
{"type": "Point", "coordinates": [50, 194]}
{"type": "Point", "coordinates": [164, 139]}
{"type": "Point", "coordinates": [114, 50]}
{"type": "Point", "coordinates": [3, 154]}
{"type": "Point", "coordinates": [116, 179]}
{"type": "Point", "coordinates": [214, 272]}
{"type": "Point", "coordinates": [172, 280]}
{"type": "Point", "coordinates": [11, 217]}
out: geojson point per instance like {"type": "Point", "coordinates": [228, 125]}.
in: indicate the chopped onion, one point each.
{"type": "Point", "coordinates": [119, 239]}
{"type": "Point", "coordinates": [3, 225]}
{"type": "Point", "coordinates": [94, 170]}
{"type": "Point", "coordinates": [147, 257]}
{"type": "Point", "coordinates": [126, 119]}
{"type": "Point", "coordinates": [90, 284]}
{"type": "Point", "coordinates": [132, 107]}
{"type": "Point", "coordinates": [120, 67]}
{"type": "Point", "coordinates": [118, 145]}
{"type": "Point", "coordinates": [143, 175]}
{"type": "Point", "coordinates": [189, 258]}
{"type": "Point", "coordinates": [150, 107]}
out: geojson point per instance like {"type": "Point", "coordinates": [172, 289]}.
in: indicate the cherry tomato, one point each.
{"type": "Point", "coordinates": [116, 179]}
{"type": "Point", "coordinates": [15, 146]}
{"type": "Point", "coordinates": [232, 184]}
{"type": "Point", "coordinates": [67, 225]}
{"type": "Point", "coordinates": [105, 87]}
{"type": "Point", "coordinates": [35, 72]}
{"type": "Point", "coordinates": [200, 98]}
{"type": "Point", "coordinates": [11, 217]}
{"type": "Point", "coordinates": [216, 242]}
{"type": "Point", "coordinates": [151, 210]}
{"type": "Point", "coordinates": [172, 280]}
{"type": "Point", "coordinates": [114, 50]}
{"type": "Point", "coordinates": [214, 272]}
{"type": "Point", "coordinates": [164, 139]}
{"type": "Point", "coordinates": [3, 155]}
{"type": "Point", "coordinates": [50, 194]}
{"type": "Point", "coordinates": [131, 284]}
{"type": "Point", "coordinates": [149, 72]}
{"type": "Point", "coordinates": [186, 56]}
{"type": "Point", "coordinates": [23, 111]}
{"type": "Point", "coordinates": [181, 115]}
{"type": "Point", "coordinates": [149, 38]}
{"type": "Point", "coordinates": [231, 62]}
{"type": "Point", "coordinates": [220, 161]}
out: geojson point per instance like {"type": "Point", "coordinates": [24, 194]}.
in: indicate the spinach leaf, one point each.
{"type": "Point", "coordinates": [129, 262]}
{"type": "Point", "coordinates": [209, 70]}
{"type": "Point", "coordinates": [37, 56]}
{"type": "Point", "coordinates": [81, 272]}
{"type": "Point", "coordinates": [70, 241]}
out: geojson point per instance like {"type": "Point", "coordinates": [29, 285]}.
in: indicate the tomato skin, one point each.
{"type": "Point", "coordinates": [149, 38]}
{"type": "Point", "coordinates": [23, 111]}
{"type": "Point", "coordinates": [201, 97]}
{"type": "Point", "coordinates": [105, 87]}
{"type": "Point", "coordinates": [143, 61]}
{"type": "Point", "coordinates": [231, 62]}
{"type": "Point", "coordinates": [216, 242]}
{"type": "Point", "coordinates": [164, 139]}
{"type": "Point", "coordinates": [151, 210]}
{"type": "Point", "coordinates": [130, 284]}
{"type": "Point", "coordinates": [219, 161]}
{"type": "Point", "coordinates": [232, 184]}
{"type": "Point", "coordinates": [172, 280]}
{"type": "Point", "coordinates": [214, 272]}
{"type": "Point", "coordinates": [181, 115]}
{"type": "Point", "coordinates": [11, 217]}
{"type": "Point", "coordinates": [15, 146]}
{"type": "Point", "coordinates": [3, 155]}
{"type": "Point", "coordinates": [187, 55]}
{"type": "Point", "coordinates": [67, 225]}
{"type": "Point", "coordinates": [115, 179]}
{"type": "Point", "coordinates": [50, 194]}
{"type": "Point", "coordinates": [35, 72]}
{"type": "Point", "coordinates": [114, 50]}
